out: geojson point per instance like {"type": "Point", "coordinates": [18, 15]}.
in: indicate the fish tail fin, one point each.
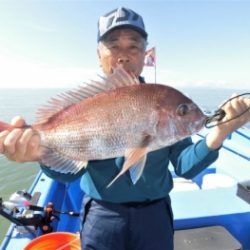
{"type": "Point", "coordinates": [136, 159]}
{"type": "Point", "coordinates": [5, 126]}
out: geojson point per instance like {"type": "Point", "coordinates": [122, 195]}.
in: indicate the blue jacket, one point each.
{"type": "Point", "coordinates": [156, 182]}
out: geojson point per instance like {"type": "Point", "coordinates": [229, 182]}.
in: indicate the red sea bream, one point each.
{"type": "Point", "coordinates": [115, 117]}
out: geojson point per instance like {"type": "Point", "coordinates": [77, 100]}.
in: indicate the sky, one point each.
{"type": "Point", "coordinates": [52, 43]}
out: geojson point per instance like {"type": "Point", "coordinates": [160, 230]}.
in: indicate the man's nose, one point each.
{"type": "Point", "coordinates": [122, 59]}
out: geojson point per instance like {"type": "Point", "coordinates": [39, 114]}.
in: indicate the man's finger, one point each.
{"type": "Point", "coordinates": [10, 141]}
{"type": "Point", "coordinates": [22, 143]}
{"type": "Point", "coordinates": [2, 139]}
{"type": "Point", "coordinates": [17, 122]}
{"type": "Point", "coordinates": [33, 148]}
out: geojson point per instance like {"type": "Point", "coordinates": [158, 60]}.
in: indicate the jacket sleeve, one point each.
{"type": "Point", "coordinates": [189, 158]}
{"type": "Point", "coordinates": [60, 176]}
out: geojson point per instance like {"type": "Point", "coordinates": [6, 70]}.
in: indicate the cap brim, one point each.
{"type": "Point", "coordinates": [142, 32]}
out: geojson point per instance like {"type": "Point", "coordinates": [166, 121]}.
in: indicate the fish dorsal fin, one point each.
{"type": "Point", "coordinates": [119, 78]}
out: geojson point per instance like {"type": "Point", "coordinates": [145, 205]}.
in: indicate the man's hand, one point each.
{"type": "Point", "coordinates": [232, 108]}
{"type": "Point", "coordinates": [20, 144]}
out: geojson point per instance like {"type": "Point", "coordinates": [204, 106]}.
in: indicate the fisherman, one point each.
{"type": "Point", "coordinates": [128, 216]}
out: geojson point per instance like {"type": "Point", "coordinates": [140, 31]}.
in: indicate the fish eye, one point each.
{"type": "Point", "coordinates": [182, 109]}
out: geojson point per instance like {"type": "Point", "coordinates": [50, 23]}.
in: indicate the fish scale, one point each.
{"type": "Point", "coordinates": [102, 118]}
{"type": "Point", "coordinates": [112, 119]}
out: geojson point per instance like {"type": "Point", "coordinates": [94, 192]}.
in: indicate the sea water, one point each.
{"type": "Point", "coordinates": [25, 102]}
{"type": "Point", "coordinates": [18, 176]}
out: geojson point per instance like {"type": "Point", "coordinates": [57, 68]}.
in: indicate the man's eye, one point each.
{"type": "Point", "coordinates": [114, 47]}
{"type": "Point", "coordinates": [136, 47]}
{"type": "Point", "coordinates": [182, 109]}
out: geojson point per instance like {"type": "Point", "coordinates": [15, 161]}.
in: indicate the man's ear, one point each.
{"type": "Point", "coordinates": [99, 56]}
{"type": "Point", "coordinates": [98, 53]}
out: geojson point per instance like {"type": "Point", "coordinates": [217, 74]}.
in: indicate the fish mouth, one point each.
{"type": "Point", "coordinates": [204, 121]}
{"type": "Point", "coordinates": [199, 124]}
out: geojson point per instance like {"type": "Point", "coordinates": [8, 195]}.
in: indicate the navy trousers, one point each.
{"type": "Point", "coordinates": [129, 226]}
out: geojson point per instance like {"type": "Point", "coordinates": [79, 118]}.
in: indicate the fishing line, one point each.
{"type": "Point", "coordinates": [70, 243]}
{"type": "Point", "coordinates": [219, 114]}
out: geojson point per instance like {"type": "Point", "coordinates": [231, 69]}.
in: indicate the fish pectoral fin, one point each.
{"type": "Point", "coordinates": [135, 160]}
{"type": "Point", "coordinates": [60, 163]}
{"type": "Point", "coordinates": [136, 170]}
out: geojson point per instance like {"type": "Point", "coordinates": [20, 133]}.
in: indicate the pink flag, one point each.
{"type": "Point", "coordinates": [150, 58]}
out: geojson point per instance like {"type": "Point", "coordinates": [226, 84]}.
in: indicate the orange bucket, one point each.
{"type": "Point", "coordinates": [55, 241]}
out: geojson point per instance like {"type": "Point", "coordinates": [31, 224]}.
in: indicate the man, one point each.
{"type": "Point", "coordinates": [127, 216]}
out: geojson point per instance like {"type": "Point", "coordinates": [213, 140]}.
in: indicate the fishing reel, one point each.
{"type": "Point", "coordinates": [20, 210]}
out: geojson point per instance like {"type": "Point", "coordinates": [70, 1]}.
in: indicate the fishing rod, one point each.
{"type": "Point", "coordinates": [216, 119]}
{"type": "Point", "coordinates": [28, 223]}
{"type": "Point", "coordinates": [11, 210]}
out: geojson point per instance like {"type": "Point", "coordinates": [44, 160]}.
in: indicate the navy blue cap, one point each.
{"type": "Point", "coordinates": [120, 18]}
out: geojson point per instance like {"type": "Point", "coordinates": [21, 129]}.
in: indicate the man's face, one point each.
{"type": "Point", "coordinates": [125, 47]}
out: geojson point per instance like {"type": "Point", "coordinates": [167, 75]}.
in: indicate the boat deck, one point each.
{"type": "Point", "coordinates": [195, 203]}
